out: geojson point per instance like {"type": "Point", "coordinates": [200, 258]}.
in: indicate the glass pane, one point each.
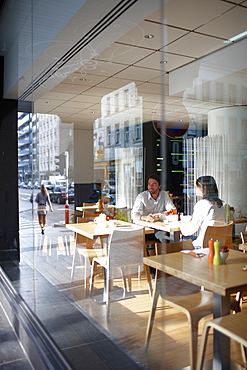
{"type": "Point", "coordinates": [109, 94]}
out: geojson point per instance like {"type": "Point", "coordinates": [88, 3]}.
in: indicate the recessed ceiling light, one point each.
{"type": "Point", "coordinates": [150, 36]}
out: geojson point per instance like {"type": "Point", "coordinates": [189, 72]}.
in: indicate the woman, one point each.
{"type": "Point", "coordinates": [42, 198]}
{"type": "Point", "coordinates": [207, 211]}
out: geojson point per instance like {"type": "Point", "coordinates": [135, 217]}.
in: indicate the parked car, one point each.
{"type": "Point", "coordinates": [23, 185]}
{"type": "Point", "coordinates": [58, 195]}
{"type": "Point", "coordinates": [36, 185]}
{"type": "Point", "coordinates": [48, 184]}
{"type": "Point", "coordinates": [30, 185]}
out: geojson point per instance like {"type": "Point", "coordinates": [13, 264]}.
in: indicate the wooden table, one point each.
{"type": "Point", "coordinates": [222, 280]}
{"type": "Point", "coordinates": [93, 207]}
{"type": "Point", "coordinates": [91, 231]}
{"type": "Point", "coordinates": [170, 227]}
{"type": "Point", "coordinates": [240, 220]}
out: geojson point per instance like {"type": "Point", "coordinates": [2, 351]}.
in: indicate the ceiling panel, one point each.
{"type": "Point", "coordinates": [162, 35]}
{"type": "Point", "coordinates": [114, 83]}
{"type": "Point", "coordinates": [228, 25]}
{"type": "Point", "coordinates": [173, 61]}
{"type": "Point", "coordinates": [139, 74]}
{"type": "Point", "coordinates": [187, 30]}
{"type": "Point", "coordinates": [194, 45]}
{"type": "Point", "coordinates": [124, 54]}
{"type": "Point", "coordinates": [191, 14]}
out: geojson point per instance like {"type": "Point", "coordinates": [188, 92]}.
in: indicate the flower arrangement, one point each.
{"type": "Point", "coordinates": [224, 249]}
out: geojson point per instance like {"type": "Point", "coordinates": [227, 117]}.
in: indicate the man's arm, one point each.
{"type": "Point", "coordinates": [137, 210]}
{"type": "Point", "coordinates": [138, 216]}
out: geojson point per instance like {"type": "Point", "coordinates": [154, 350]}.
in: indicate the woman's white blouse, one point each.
{"type": "Point", "coordinates": [205, 214]}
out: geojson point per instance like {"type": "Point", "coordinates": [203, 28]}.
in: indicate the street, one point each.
{"type": "Point", "coordinates": [28, 210]}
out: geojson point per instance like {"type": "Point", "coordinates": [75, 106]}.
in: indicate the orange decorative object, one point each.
{"type": "Point", "coordinates": [211, 251]}
{"type": "Point", "coordinates": [101, 205]}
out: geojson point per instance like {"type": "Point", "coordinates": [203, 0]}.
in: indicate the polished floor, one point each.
{"type": "Point", "coordinates": [79, 324]}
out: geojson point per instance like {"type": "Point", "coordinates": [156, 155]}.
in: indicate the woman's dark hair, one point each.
{"type": "Point", "coordinates": [155, 177]}
{"type": "Point", "coordinates": [209, 189]}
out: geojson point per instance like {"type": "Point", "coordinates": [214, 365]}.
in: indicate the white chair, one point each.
{"type": "Point", "coordinates": [124, 251]}
{"type": "Point", "coordinates": [86, 249]}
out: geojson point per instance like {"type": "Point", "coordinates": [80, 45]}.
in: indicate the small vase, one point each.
{"type": "Point", "coordinates": [224, 256]}
{"type": "Point", "coordinates": [217, 256]}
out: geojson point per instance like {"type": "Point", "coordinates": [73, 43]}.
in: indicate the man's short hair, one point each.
{"type": "Point", "coordinates": [155, 177]}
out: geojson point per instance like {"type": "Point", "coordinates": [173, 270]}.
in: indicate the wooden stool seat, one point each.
{"type": "Point", "coordinates": [233, 326]}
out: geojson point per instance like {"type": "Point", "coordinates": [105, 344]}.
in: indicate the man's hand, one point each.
{"type": "Point", "coordinates": [152, 217]}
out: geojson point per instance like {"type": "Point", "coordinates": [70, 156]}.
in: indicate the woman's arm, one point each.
{"type": "Point", "coordinates": [49, 202]}
{"type": "Point", "coordinates": [192, 227]}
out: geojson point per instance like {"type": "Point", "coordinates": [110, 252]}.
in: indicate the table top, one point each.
{"type": "Point", "coordinates": [92, 207]}
{"type": "Point", "coordinates": [222, 279]}
{"type": "Point", "coordinates": [241, 220]}
{"type": "Point", "coordinates": [160, 225]}
{"type": "Point", "coordinates": [92, 231]}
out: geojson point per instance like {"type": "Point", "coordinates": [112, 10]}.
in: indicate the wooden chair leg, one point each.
{"type": "Point", "coordinates": [244, 353]}
{"type": "Point", "coordinates": [202, 349]}
{"type": "Point", "coordinates": [92, 278]}
{"type": "Point", "coordinates": [123, 273]}
{"type": "Point", "coordinates": [193, 335]}
{"type": "Point", "coordinates": [155, 297]}
{"type": "Point", "coordinates": [73, 263]}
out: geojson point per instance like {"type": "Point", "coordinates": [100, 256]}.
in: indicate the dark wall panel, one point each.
{"type": "Point", "coordinates": [9, 214]}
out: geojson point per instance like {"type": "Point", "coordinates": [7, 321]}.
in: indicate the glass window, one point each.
{"type": "Point", "coordinates": [152, 97]}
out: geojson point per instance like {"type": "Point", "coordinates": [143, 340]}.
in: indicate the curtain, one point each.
{"type": "Point", "coordinates": [207, 156]}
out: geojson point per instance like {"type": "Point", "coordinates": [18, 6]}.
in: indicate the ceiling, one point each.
{"type": "Point", "coordinates": [190, 33]}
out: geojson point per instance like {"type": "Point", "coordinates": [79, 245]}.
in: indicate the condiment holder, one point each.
{"type": "Point", "coordinates": [224, 253]}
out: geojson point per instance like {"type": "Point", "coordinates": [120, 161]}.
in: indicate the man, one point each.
{"type": "Point", "coordinates": [151, 204]}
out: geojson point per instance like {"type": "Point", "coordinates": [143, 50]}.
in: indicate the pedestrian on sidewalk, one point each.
{"type": "Point", "coordinates": [43, 200]}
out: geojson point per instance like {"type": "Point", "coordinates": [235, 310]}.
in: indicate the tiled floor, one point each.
{"type": "Point", "coordinates": [12, 355]}
{"type": "Point", "coordinates": [41, 279]}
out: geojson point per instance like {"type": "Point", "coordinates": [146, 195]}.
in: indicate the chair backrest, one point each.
{"type": "Point", "coordinates": [80, 238]}
{"type": "Point", "coordinates": [126, 246]}
{"type": "Point", "coordinates": [178, 246]}
{"type": "Point", "coordinates": [81, 220]}
{"type": "Point", "coordinates": [223, 233]}
{"type": "Point", "coordinates": [243, 237]}
{"type": "Point", "coordinates": [173, 286]}
{"type": "Point", "coordinates": [89, 215]}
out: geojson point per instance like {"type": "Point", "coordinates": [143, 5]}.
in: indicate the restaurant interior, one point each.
{"type": "Point", "coordinates": [148, 87]}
